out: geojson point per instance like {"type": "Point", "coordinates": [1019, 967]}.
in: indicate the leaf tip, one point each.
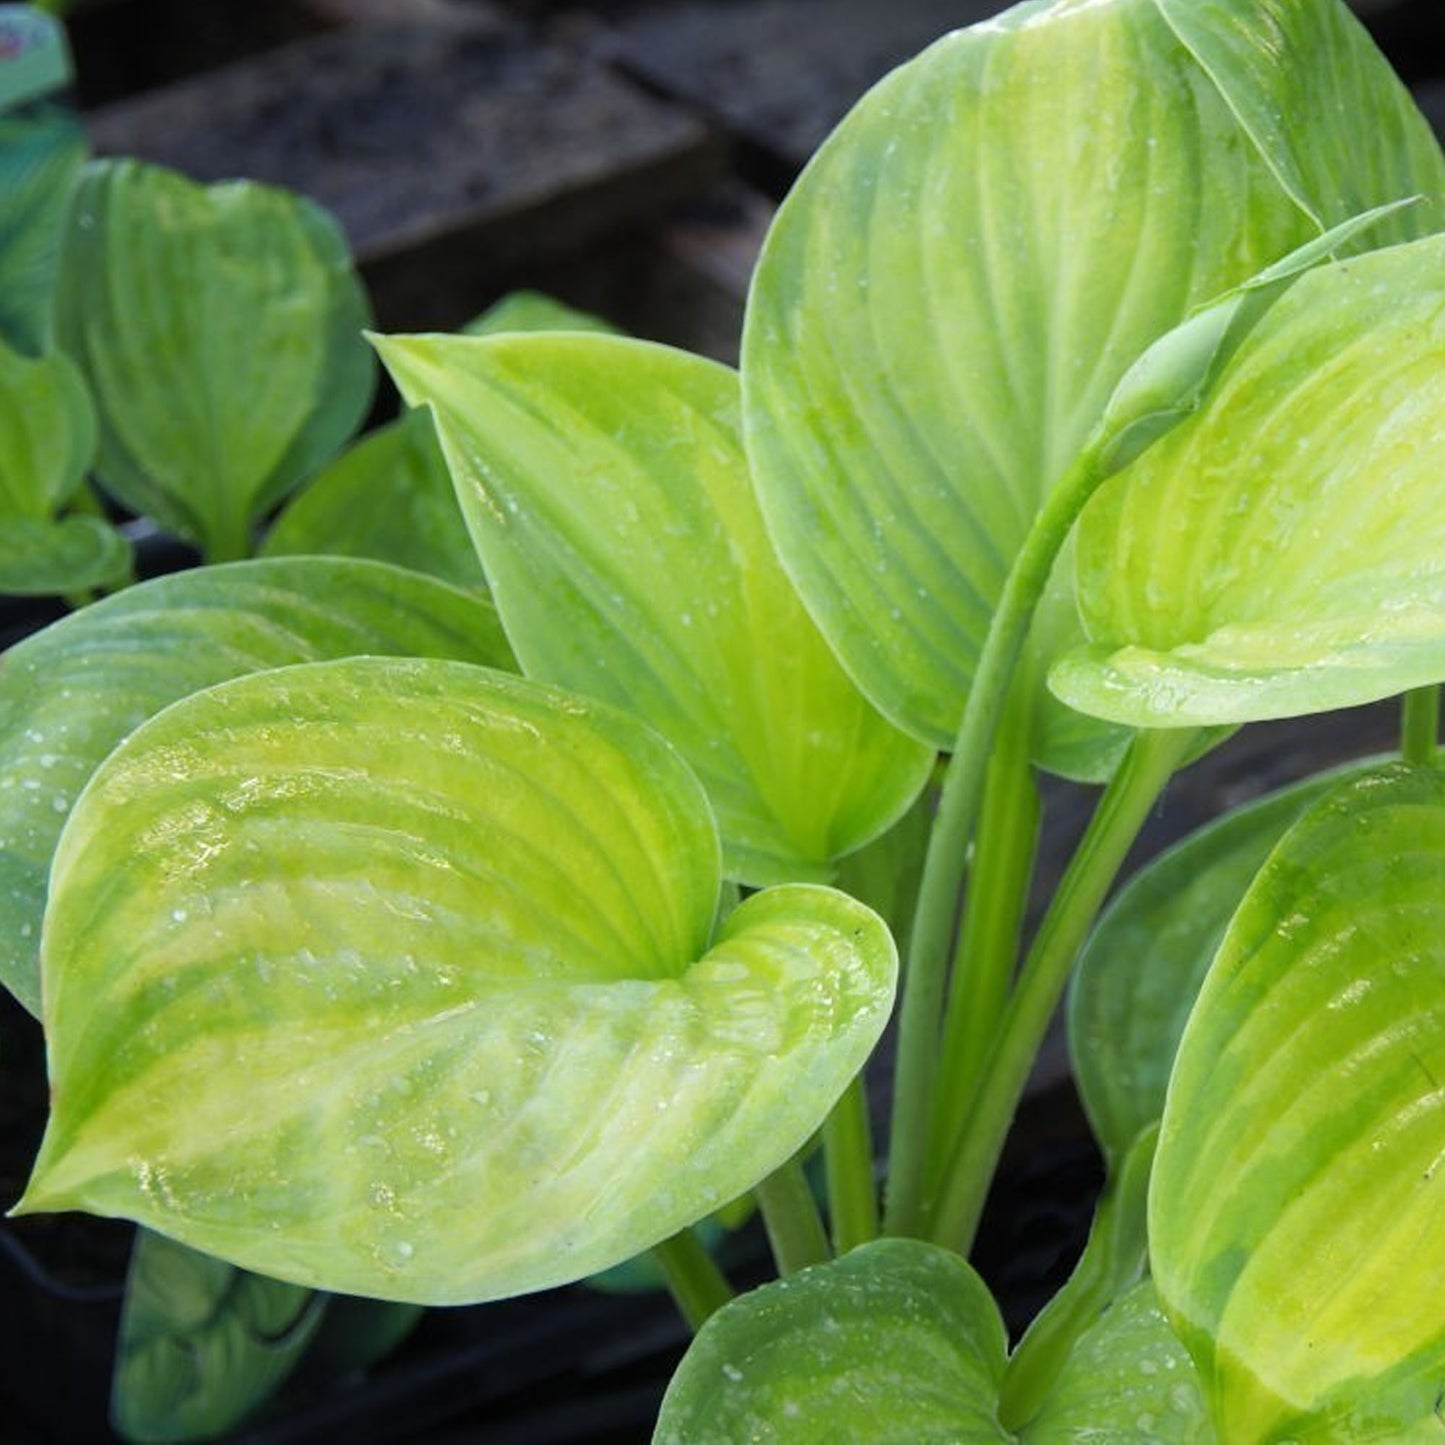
{"type": "Point", "coordinates": [407, 359]}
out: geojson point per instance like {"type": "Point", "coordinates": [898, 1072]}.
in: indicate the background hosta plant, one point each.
{"type": "Point", "coordinates": [219, 330]}
{"type": "Point", "coordinates": [1088, 409]}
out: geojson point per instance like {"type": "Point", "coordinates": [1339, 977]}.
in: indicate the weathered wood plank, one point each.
{"type": "Point", "coordinates": [453, 147]}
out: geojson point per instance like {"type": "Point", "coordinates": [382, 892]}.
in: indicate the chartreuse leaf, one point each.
{"type": "Point", "coordinates": [1295, 1206]}
{"type": "Point", "coordinates": [900, 1341]}
{"type": "Point", "coordinates": [1280, 552]}
{"type": "Point", "coordinates": [47, 433]}
{"type": "Point", "coordinates": [202, 1343]}
{"type": "Point", "coordinates": [966, 270]}
{"type": "Point", "coordinates": [69, 694]}
{"type": "Point", "coordinates": [388, 497]}
{"type": "Point", "coordinates": [897, 1341]}
{"type": "Point", "coordinates": [220, 330]}
{"type": "Point", "coordinates": [1142, 968]}
{"type": "Point", "coordinates": [393, 977]}
{"type": "Point", "coordinates": [606, 488]}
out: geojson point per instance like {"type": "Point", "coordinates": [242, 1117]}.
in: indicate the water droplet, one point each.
{"type": "Point", "coordinates": [733, 1373]}
{"type": "Point", "coordinates": [178, 915]}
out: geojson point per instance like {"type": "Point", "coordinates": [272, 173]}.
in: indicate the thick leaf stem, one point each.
{"type": "Point", "coordinates": [1145, 769]}
{"type": "Point", "coordinates": [1420, 725]}
{"type": "Point", "coordinates": [925, 977]}
{"type": "Point", "coordinates": [693, 1279]}
{"type": "Point", "coordinates": [988, 948]}
{"type": "Point", "coordinates": [791, 1218]}
{"type": "Point", "coordinates": [848, 1157]}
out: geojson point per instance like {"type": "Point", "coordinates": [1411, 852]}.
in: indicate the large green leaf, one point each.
{"type": "Point", "coordinates": [962, 276]}
{"type": "Point", "coordinates": [392, 977]}
{"type": "Point", "coordinates": [202, 1344]}
{"type": "Point", "coordinates": [41, 154]}
{"type": "Point", "coordinates": [606, 488]}
{"type": "Point", "coordinates": [1296, 1200]}
{"type": "Point", "coordinates": [69, 694]}
{"type": "Point", "coordinates": [74, 554]}
{"type": "Point", "coordinates": [1280, 553]}
{"type": "Point", "coordinates": [220, 330]}
{"type": "Point", "coordinates": [900, 1341]}
{"type": "Point", "coordinates": [47, 433]}
{"type": "Point", "coordinates": [1142, 968]}
{"type": "Point", "coordinates": [388, 497]}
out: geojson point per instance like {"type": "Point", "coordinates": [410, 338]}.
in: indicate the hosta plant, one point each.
{"type": "Point", "coordinates": [441, 947]}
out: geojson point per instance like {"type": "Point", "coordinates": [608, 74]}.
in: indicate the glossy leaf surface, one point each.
{"type": "Point", "coordinates": [40, 157]}
{"type": "Point", "coordinates": [43, 558]}
{"type": "Point", "coordinates": [219, 328]}
{"type": "Point", "coordinates": [392, 977]}
{"type": "Point", "coordinates": [202, 1344]}
{"type": "Point", "coordinates": [389, 497]}
{"type": "Point", "coordinates": [47, 433]}
{"type": "Point", "coordinates": [1280, 552]}
{"type": "Point", "coordinates": [606, 488]}
{"type": "Point", "coordinates": [898, 1341]}
{"type": "Point", "coordinates": [69, 694]}
{"type": "Point", "coordinates": [1142, 968]}
{"type": "Point", "coordinates": [963, 274]}
{"type": "Point", "coordinates": [1295, 1205]}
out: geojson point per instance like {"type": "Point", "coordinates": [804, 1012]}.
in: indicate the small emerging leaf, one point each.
{"type": "Point", "coordinates": [1297, 1192]}
{"type": "Point", "coordinates": [392, 977]}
